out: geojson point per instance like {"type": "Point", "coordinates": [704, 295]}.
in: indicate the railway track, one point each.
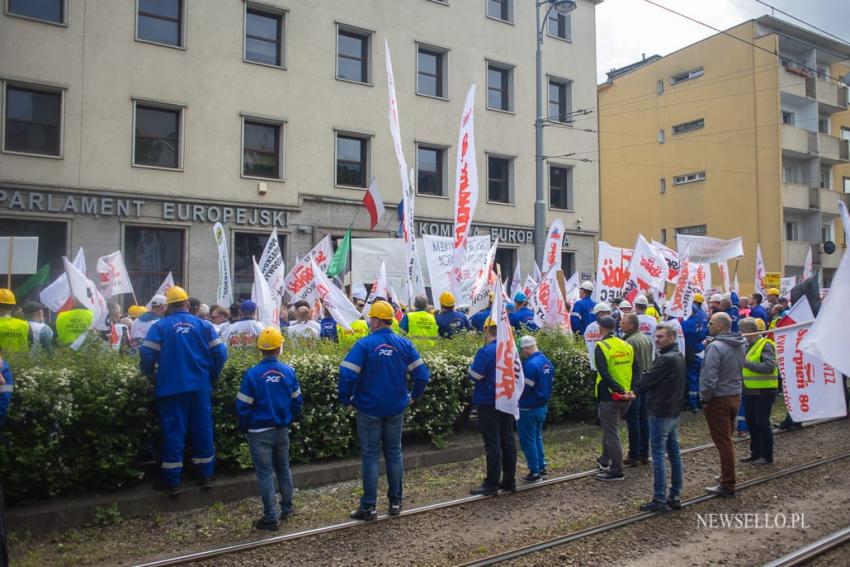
{"type": "Point", "coordinates": [246, 546]}
{"type": "Point", "coordinates": [807, 553]}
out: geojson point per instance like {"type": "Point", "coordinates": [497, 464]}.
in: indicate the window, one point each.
{"type": "Point", "coordinates": [788, 117]}
{"type": "Point", "coordinates": [262, 150]}
{"type": "Point", "coordinates": [157, 136]}
{"type": "Point", "coordinates": [500, 10]}
{"type": "Point", "coordinates": [246, 245]}
{"type": "Point", "coordinates": [659, 87]}
{"type": "Point", "coordinates": [560, 25]}
{"type": "Point", "coordinates": [430, 72]}
{"type": "Point", "coordinates": [826, 233]}
{"type": "Point", "coordinates": [351, 160]}
{"type": "Point", "coordinates": [44, 10]}
{"type": "Point", "coordinates": [686, 76]}
{"type": "Point", "coordinates": [560, 187]}
{"type": "Point", "coordinates": [150, 253]}
{"type": "Point", "coordinates": [662, 185]}
{"type": "Point", "coordinates": [789, 174]}
{"type": "Point", "coordinates": [845, 133]}
{"type": "Point", "coordinates": [52, 245]}
{"type": "Point", "coordinates": [823, 125]}
{"type": "Point", "coordinates": [689, 178]}
{"type": "Point", "coordinates": [689, 126]}
{"type": "Point", "coordinates": [568, 263]}
{"type": "Point", "coordinates": [695, 230]}
{"type": "Point", "coordinates": [33, 120]}
{"type": "Point", "coordinates": [661, 136]}
{"type": "Point", "coordinates": [506, 260]}
{"type": "Point", "coordinates": [826, 178]}
{"type": "Point", "coordinates": [792, 230]}
{"type": "Point", "coordinates": [160, 21]}
{"type": "Point", "coordinates": [499, 173]}
{"type": "Point", "coordinates": [430, 165]}
{"type": "Point", "coordinates": [264, 36]}
{"type": "Point", "coordinates": [352, 61]}
{"type": "Point", "coordinates": [499, 87]}
{"type": "Point", "coordinates": [560, 101]}
{"type": "Point", "coordinates": [847, 185]}
{"type": "Point", "coordinates": [663, 236]}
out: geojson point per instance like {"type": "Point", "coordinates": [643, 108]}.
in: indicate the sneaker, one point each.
{"type": "Point", "coordinates": [484, 490]}
{"type": "Point", "coordinates": [531, 477]}
{"type": "Point", "coordinates": [286, 514]}
{"type": "Point", "coordinates": [366, 514]}
{"type": "Point", "coordinates": [609, 476]}
{"type": "Point", "coordinates": [601, 466]}
{"type": "Point", "coordinates": [674, 503]}
{"type": "Point", "coordinates": [507, 486]}
{"type": "Point", "coordinates": [630, 462]}
{"type": "Point", "coordinates": [544, 472]}
{"type": "Point", "coordinates": [741, 433]}
{"type": "Point", "coordinates": [207, 482]}
{"type": "Point", "coordinates": [761, 462]}
{"type": "Point", "coordinates": [174, 490]}
{"type": "Point", "coordinates": [395, 509]}
{"type": "Point", "coordinates": [720, 490]}
{"type": "Point", "coordinates": [749, 459]}
{"type": "Point", "coordinates": [268, 525]}
{"type": "Point", "coordinates": [654, 506]}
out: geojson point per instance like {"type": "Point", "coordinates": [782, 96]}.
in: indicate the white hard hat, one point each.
{"type": "Point", "coordinates": [586, 285]}
{"type": "Point", "coordinates": [727, 295]}
{"type": "Point", "coordinates": [601, 306]}
{"type": "Point", "coordinates": [625, 305]}
{"type": "Point", "coordinates": [715, 298]}
{"type": "Point", "coordinates": [641, 300]}
{"type": "Point", "coordinates": [527, 341]}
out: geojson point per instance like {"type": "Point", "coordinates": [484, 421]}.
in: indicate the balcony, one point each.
{"type": "Point", "coordinates": [796, 250]}
{"type": "Point", "coordinates": [796, 83]}
{"type": "Point", "coordinates": [828, 261]}
{"type": "Point", "coordinates": [799, 143]}
{"type": "Point", "coordinates": [831, 97]}
{"type": "Point", "coordinates": [827, 201]}
{"type": "Point", "coordinates": [831, 149]}
{"type": "Point", "coordinates": [796, 196]}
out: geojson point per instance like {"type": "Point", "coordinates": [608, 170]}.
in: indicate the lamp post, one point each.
{"type": "Point", "coordinates": [562, 7]}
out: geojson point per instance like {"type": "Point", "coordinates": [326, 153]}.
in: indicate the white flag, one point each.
{"type": "Point", "coordinates": [672, 259]}
{"type": "Point", "coordinates": [484, 281]}
{"type": "Point", "coordinates": [58, 293]}
{"type": "Point", "coordinates": [735, 287]}
{"type": "Point", "coordinates": [682, 300]}
{"type": "Point", "coordinates": [723, 268]}
{"type": "Point", "coordinates": [166, 284]}
{"type": "Point", "coordinates": [786, 285]}
{"type": "Point", "coordinates": [807, 265]}
{"type": "Point", "coordinates": [86, 293]}
{"type": "Point", "coordinates": [612, 272]}
{"type": "Point", "coordinates": [516, 282]}
{"type": "Point", "coordinates": [268, 305]}
{"type": "Point", "coordinates": [379, 289]}
{"type": "Point", "coordinates": [224, 291]}
{"type": "Point", "coordinates": [299, 282]}
{"type": "Point", "coordinates": [272, 266]}
{"type": "Point", "coordinates": [536, 273]}
{"type": "Point", "coordinates": [760, 271]}
{"type": "Point", "coordinates": [571, 289]}
{"type": "Point", "coordinates": [112, 275]}
{"type": "Point", "coordinates": [550, 309]}
{"type": "Point", "coordinates": [510, 379]}
{"type": "Point", "coordinates": [341, 309]}
{"type": "Point", "coordinates": [466, 187]}
{"type": "Point", "coordinates": [647, 270]}
{"type": "Point", "coordinates": [845, 221]}
{"type": "Point", "coordinates": [552, 247]}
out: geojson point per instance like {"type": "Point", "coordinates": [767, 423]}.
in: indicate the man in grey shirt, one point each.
{"type": "Point", "coordinates": [637, 418]}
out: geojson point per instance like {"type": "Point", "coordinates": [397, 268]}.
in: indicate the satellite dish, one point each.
{"type": "Point", "coordinates": [829, 246]}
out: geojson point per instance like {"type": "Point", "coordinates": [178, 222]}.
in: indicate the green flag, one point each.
{"type": "Point", "coordinates": [339, 263]}
{"type": "Point", "coordinates": [41, 277]}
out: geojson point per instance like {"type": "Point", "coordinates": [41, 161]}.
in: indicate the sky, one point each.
{"type": "Point", "coordinates": [626, 29]}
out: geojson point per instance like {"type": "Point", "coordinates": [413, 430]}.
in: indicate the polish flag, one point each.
{"type": "Point", "coordinates": [374, 204]}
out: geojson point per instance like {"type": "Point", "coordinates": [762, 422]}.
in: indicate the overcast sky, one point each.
{"type": "Point", "coordinates": [626, 29]}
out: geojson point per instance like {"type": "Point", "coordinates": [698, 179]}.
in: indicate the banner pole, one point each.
{"type": "Point", "coordinates": [777, 329]}
{"type": "Point", "coordinates": [9, 263]}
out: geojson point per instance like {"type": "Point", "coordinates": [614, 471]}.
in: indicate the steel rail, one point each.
{"type": "Point", "coordinates": [815, 549]}
{"type": "Point", "coordinates": [622, 522]}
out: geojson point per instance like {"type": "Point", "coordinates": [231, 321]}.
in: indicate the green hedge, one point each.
{"type": "Point", "coordinates": [85, 421]}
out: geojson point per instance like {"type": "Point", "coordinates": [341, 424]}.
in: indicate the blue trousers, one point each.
{"type": "Point", "coordinates": [665, 438]}
{"type": "Point", "coordinates": [637, 420]}
{"type": "Point", "coordinates": [377, 433]}
{"type": "Point", "coordinates": [190, 411]}
{"type": "Point", "coordinates": [530, 429]}
{"type": "Point", "coordinates": [741, 419]}
{"type": "Point", "coordinates": [693, 366]}
{"type": "Point", "coordinates": [270, 454]}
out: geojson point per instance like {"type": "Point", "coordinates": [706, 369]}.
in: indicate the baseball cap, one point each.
{"type": "Point", "coordinates": [586, 285]}
{"type": "Point", "coordinates": [248, 306]}
{"type": "Point", "coordinates": [519, 297]}
{"type": "Point", "coordinates": [601, 306]}
{"type": "Point", "coordinates": [527, 341]}
{"type": "Point", "coordinates": [158, 300]}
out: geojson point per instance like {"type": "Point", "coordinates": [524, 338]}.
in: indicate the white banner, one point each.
{"type": "Point", "coordinates": [224, 290]}
{"type": "Point", "coordinates": [112, 275]}
{"type": "Point", "coordinates": [466, 190]}
{"type": "Point", "coordinates": [760, 271]}
{"type": "Point", "coordinates": [807, 265]}
{"type": "Point", "coordinates": [708, 250]}
{"type": "Point", "coordinates": [300, 283]}
{"type": "Point", "coordinates": [550, 310]}
{"type": "Point", "coordinates": [484, 281]}
{"type": "Point", "coordinates": [510, 379]}
{"type": "Point", "coordinates": [612, 272]}
{"type": "Point", "coordinates": [723, 268]}
{"type": "Point", "coordinates": [57, 293]}
{"type": "Point", "coordinates": [552, 247]}
{"type": "Point", "coordinates": [341, 309]}
{"type": "Point", "coordinates": [366, 256]}
{"type": "Point", "coordinates": [647, 270]}
{"type": "Point", "coordinates": [439, 255]}
{"type": "Point", "coordinates": [787, 284]}
{"type": "Point", "coordinates": [812, 389]}
{"type": "Point", "coordinates": [268, 305]}
{"type": "Point", "coordinates": [379, 289]}
{"type": "Point", "coordinates": [672, 259]}
{"type": "Point", "coordinates": [166, 284]}
{"type": "Point", "coordinates": [516, 281]}
{"type": "Point", "coordinates": [86, 293]}
{"type": "Point", "coordinates": [272, 266]}
{"type": "Point", "coordinates": [682, 298]}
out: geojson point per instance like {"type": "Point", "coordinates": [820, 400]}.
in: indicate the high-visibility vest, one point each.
{"type": "Point", "coordinates": [14, 335]}
{"type": "Point", "coordinates": [755, 380]}
{"type": "Point", "coordinates": [359, 329]}
{"type": "Point", "coordinates": [71, 324]}
{"type": "Point", "coordinates": [620, 357]}
{"type": "Point", "coordinates": [422, 324]}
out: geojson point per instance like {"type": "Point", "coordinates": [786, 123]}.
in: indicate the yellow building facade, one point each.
{"type": "Point", "coordinates": [745, 133]}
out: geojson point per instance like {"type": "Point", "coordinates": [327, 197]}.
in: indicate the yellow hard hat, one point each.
{"type": "Point", "coordinates": [447, 299]}
{"type": "Point", "coordinates": [699, 298]}
{"type": "Point", "coordinates": [176, 294]}
{"type": "Point", "coordinates": [7, 297]}
{"type": "Point", "coordinates": [136, 311]}
{"type": "Point", "coordinates": [270, 339]}
{"type": "Point", "coordinates": [760, 324]}
{"type": "Point", "coordinates": [489, 323]}
{"type": "Point", "coordinates": [773, 291]}
{"type": "Point", "coordinates": [381, 310]}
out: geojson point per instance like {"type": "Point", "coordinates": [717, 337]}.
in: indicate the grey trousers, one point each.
{"type": "Point", "coordinates": [611, 414]}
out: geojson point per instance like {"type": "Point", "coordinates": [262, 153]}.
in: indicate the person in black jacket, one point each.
{"type": "Point", "coordinates": [664, 387]}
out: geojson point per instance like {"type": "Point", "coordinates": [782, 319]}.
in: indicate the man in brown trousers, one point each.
{"type": "Point", "coordinates": [720, 391]}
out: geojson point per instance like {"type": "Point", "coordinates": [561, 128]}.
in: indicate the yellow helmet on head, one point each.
{"type": "Point", "coordinates": [489, 323]}
{"type": "Point", "coordinates": [447, 299]}
{"type": "Point", "coordinates": [698, 298]}
{"type": "Point", "coordinates": [136, 311]}
{"type": "Point", "coordinates": [773, 291]}
{"type": "Point", "coordinates": [176, 294]}
{"type": "Point", "coordinates": [7, 297]}
{"type": "Point", "coordinates": [760, 324]}
{"type": "Point", "coordinates": [381, 310]}
{"type": "Point", "coordinates": [270, 339]}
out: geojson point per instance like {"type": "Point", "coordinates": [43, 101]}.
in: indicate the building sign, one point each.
{"type": "Point", "coordinates": [129, 207]}
{"type": "Point", "coordinates": [504, 234]}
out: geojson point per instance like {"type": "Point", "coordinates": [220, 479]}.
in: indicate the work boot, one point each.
{"type": "Point", "coordinates": [395, 509]}
{"type": "Point", "coordinates": [365, 513]}
{"type": "Point", "coordinates": [484, 490]}
{"type": "Point", "coordinates": [719, 490]}
{"type": "Point", "coordinates": [267, 525]}
{"type": "Point", "coordinates": [654, 506]}
{"type": "Point", "coordinates": [531, 477]}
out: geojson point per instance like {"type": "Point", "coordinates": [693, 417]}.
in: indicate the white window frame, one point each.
{"type": "Point", "coordinates": [280, 123]}
{"type": "Point", "coordinates": [569, 27]}
{"type": "Point", "coordinates": [568, 83]}
{"type": "Point", "coordinates": [789, 174]}
{"type": "Point", "coordinates": [271, 10]}
{"type": "Point", "coordinates": [511, 91]}
{"type": "Point", "coordinates": [846, 185]}
{"type": "Point", "coordinates": [685, 76]}
{"type": "Point", "coordinates": [828, 170]}
{"type": "Point", "coordinates": [794, 227]}
{"type": "Point", "coordinates": [686, 178]}
{"type": "Point", "coordinates": [184, 15]}
{"type": "Point", "coordinates": [4, 85]}
{"type": "Point", "coordinates": [511, 13]}
{"type": "Point", "coordinates": [182, 135]}
{"type": "Point", "coordinates": [845, 133]}
{"type": "Point", "coordinates": [570, 186]}
{"type": "Point", "coordinates": [63, 24]}
{"type": "Point", "coordinates": [511, 178]}
{"type": "Point", "coordinates": [444, 69]}
{"type": "Point", "coordinates": [830, 232]}
{"type": "Point", "coordinates": [445, 162]}
{"type": "Point", "coordinates": [368, 137]}
{"type": "Point", "coordinates": [659, 87]}
{"type": "Point", "coordinates": [370, 36]}
{"type": "Point", "coordinates": [686, 230]}
{"type": "Point", "coordinates": [661, 137]}
{"type": "Point", "coordinates": [686, 127]}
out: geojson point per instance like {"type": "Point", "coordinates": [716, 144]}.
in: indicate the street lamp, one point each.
{"type": "Point", "coordinates": [563, 7]}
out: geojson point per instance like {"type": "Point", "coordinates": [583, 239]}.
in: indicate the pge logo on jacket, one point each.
{"type": "Point", "coordinates": [385, 349]}
{"type": "Point", "coordinates": [272, 376]}
{"type": "Point", "coordinates": [182, 328]}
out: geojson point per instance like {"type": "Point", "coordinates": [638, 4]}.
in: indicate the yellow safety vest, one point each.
{"type": "Point", "coordinates": [14, 335]}
{"type": "Point", "coordinates": [71, 324]}
{"type": "Point", "coordinates": [754, 380]}
{"type": "Point", "coordinates": [620, 357]}
{"type": "Point", "coordinates": [652, 312]}
{"type": "Point", "coordinates": [359, 329]}
{"type": "Point", "coordinates": [422, 324]}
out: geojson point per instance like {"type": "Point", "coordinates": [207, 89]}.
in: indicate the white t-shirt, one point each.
{"type": "Point", "coordinates": [592, 335]}
{"type": "Point", "coordinates": [242, 333]}
{"type": "Point", "coordinates": [140, 329]}
{"type": "Point", "coordinates": [304, 330]}
{"type": "Point", "coordinates": [647, 326]}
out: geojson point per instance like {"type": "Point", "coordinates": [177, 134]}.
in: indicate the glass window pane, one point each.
{"type": "Point", "coordinates": [499, 180]}
{"type": "Point", "coordinates": [261, 25]}
{"type": "Point", "coordinates": [157, 136]}
{"type": "Point", "coordinates": [497, 9]}
{"type": "Point", "coordinates": [161, 8]}
{"type": "Point", "coordinates": [430, 175]}
{"type": "Point", "coordinates": [428, 85]}
{"type": "Point", "coordinates": [494, 78]}
{"type": "Point", "coordinates": [428, 62]}
{"type": "Point", "coordinates": [262, 51]}
{"type": "Point", "coordinates": [348, 148]}
{"type": "Point", "coordinates": [261, 156]}
{"type": "Point", "coordinates": [33, 121]}
{"type": "Point", "coordinates": [50, 10]}
{"type": "Point", "coordinates": [351, 45]}
{"type": "Point", "coordinates": [351, 161]}
{"type": "Point", "coordinates": [351, 70]}
{"type": "Point", "coordinates": [32, 106]}
{"type": "Point", "coordinates": [150, 254]}
{"type": "Point", "coordinates": [159, 30]}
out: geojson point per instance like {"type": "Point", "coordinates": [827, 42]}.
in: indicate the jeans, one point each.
{"type": "Point", "coordinates": [665, 438]}
{"type": "Point", "coordinates": [377, 433]}
{"type": "Point", "coordinates": [497, 430]}
{"type": "Point", "coordinates": [720, 414]}
{"type": "Point", "coordinates": [741, 423]}
{"type": "Point", "coordinates": [758, 407]}
{"type": "Point", "coordinates": [530, 429]}
{"type": "Point", "coordinates": [270, 453]}
{"type": "Point", "coordinates": [637, 420]}
{"type": "Point", "coordinates": [610, 415]}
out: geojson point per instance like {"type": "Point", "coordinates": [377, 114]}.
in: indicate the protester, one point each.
{"type": "Point", "coordinates": [761, 384]}
{"type": "Point", "coordinates": [477, 321]}
{"type": "Point", "coordinates": [637, 418]}
{"type": "Point", "coordinates": [663, 389]}
{"type": "Point", "coordinates": [592, 333]}
{"type": "Point", "coordinates": [727, 307]}
{"type": "Point", "coordinates": [219, 317]}
{"type": "Point", "coordinates": [616, 313]}
{"type": "Point", "coordinates": [269, 400]}
{"type": "Point", "coordinates": [185, 356]}
{"type": "Point", "coordinates": [772, 297]}
{"type": "Point", "coordinates": [581, 314]}
{"type": "Point", "coordinates": [234, 311]}
{"type": "Point", "coordinates": [744, 307]}
{"type": "Point", "coordinates": [373, 379]}
{"type": "Point", "coordinates": [328, 326]}
{"type": "Point", "coordinates": [449, 321]}
{"type": "Point", "coordinates": [533, 405]}
{"type": "Point", "coordinates": [497, 427]}
{"type": "Point", "coordinates": [653, 310]}
{"type": "Point", "coordinates": [14, 333]}
{"type": "Point", "coordinates": [7, 385]}
{"type": "Point", "coordinates": [522, 315]}
{"type": "Point", "coordinates": [73, 323]}
{"type": "Point", "coordinates": [616, 368]}
{"type": "Point", "coordinates": [245, 331]}
{"type": "Point", "coordinates": [419, 323]}
{"type": "Point", "coordinates": [194, 306]}
{"type": "Point", "coordinates": [303, 327]}
{"type": "Point", "coordinates": [204, 312]}
{"type": "Point", "coordinates": [757, 310]}
{"type": "Point", "coordinates": [147, 319]}
{"type": "Point", "coordinates": [720, 391]}
{"type": "Point", "coordinates": [647, 321]}
{"type": "Point", "coordinates": [695, 329]}
{"type": "Point", "coordinates": [41, 335]}
{"type": "Point", "coordinates": [714, 303]}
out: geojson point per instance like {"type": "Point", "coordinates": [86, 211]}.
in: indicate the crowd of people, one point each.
{"type": "Point", "coordinates": [649, 369]}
